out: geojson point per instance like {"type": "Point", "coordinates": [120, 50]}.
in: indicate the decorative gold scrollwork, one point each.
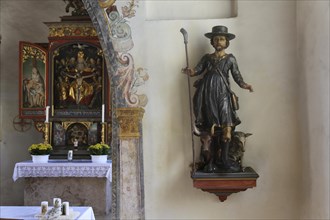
{"type": "Point", "coordinates": [106, 3]}
{"type": "Point", "coordinates": [66, 124]}
{"type": "Point", "coordinates": [34, 53]}
{"type": "Point", "coordinates": [71, 30]}
{"type": "Point", "coordinates": [40, 126]}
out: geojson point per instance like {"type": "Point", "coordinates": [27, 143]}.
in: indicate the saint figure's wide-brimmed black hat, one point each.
{"type": "Point", "coordinates": [220, 30]}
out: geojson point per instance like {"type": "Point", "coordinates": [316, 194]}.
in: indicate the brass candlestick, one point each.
{"type": "Point", "coordinates": [46, 133]}
{"type": "Point", "coordinates": [103, 132]}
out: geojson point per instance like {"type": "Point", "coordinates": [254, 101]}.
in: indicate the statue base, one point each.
{"type": "Point", "coordinates": [224, 184]}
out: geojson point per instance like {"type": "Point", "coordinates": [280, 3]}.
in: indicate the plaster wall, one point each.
{"type": "Point", "coordinates": [19, 21]}
{"type": "Point", "coordinates": [313, 62]}
{"type": "Point", "coordinates": [265, 48]}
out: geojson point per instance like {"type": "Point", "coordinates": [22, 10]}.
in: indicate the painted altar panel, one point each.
{"type": "Point", "coordinates": [78, 88]}
{"type": "Point", "coordinates": [33, 75]}
{"type": "Point", "coordinates": [78, 80]}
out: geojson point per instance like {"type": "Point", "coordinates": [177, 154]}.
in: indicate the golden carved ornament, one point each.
{"type": "Point", "coordinates": [66, 124]}
{"type": "Point", "coordinates": [72, 30]}
{"type": "Point", "coordinates": [129, 122]}
{"type": "Point", "coordinates": [40, 126]}
{"type": "Point", "coordinates": [33, 53]}
{"type": "Point", "coordinates": [106, 3]}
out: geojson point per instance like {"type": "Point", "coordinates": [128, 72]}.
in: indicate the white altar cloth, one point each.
{"type": "Point", "coordinates": [30, 212]}
{"type": "Point", "coordinates": [63, 168]}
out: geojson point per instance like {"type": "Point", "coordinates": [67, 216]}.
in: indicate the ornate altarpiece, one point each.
{"type": "Point", "coordinates": [68, 74]}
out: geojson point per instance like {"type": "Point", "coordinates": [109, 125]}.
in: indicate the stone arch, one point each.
{"type": "Point", "coordinates": [127, 112]}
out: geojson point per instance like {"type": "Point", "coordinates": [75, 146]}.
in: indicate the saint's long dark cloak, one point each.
{"type": "Point", "coordinates": [212, 104]}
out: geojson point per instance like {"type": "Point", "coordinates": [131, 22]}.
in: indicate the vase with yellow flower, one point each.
{"type": "Point", "coordinates": [40, 152]}
{"type": "Point", "coordinates": [99, 152]}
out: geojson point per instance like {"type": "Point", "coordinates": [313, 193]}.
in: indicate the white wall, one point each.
{"type": "Point", "coordinates": [287, 157]}
{"type": "Point", "coordinates": [265, 48]}
{"type": "Point", "coordinates": [313, 60]}
{"type": "Point", "coordinates": [172, 10]}
{"type": "Point", "coordinates": [20, 21]}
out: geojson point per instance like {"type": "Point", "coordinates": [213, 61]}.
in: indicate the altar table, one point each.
{"type": "Point", "coordinates": [29, 212]}
{"type": "Point", "coordinates": [81, 183]}
{"type": "Point", "coordinates": [63, 168]}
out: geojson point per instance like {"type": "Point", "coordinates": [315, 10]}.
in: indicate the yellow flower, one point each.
{"type": "Point", "coordinates": [99, 149]}
{"type": "Point", "coordinates": [40, 149]}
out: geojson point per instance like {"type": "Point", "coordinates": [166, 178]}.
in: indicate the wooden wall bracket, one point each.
{"type": "Point", "coordinates": [224, 184]}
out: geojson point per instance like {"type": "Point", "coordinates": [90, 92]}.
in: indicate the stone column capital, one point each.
{"type": "Point", "coordinates": [129, 120]}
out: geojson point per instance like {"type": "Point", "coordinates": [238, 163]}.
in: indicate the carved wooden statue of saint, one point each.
{"type": "Point", "coordinates": [215, 105]}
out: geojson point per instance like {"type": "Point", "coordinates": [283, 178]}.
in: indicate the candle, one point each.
{"type": "Point", "coordinates": [103, 113]}
{"type": "Point", "coordinates": [44, 207]}
{"type": "Point", "coordinates": [65, 208]}
{"type": "Point", "coordinates": [47, 114]}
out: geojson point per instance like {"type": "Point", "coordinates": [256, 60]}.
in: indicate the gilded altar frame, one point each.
{"type": "Point", "coordinates": [33, 80]}
{"type": "Point", "coordinates": [69, 74]}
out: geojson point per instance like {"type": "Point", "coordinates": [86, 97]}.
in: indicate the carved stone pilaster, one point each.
{"type": "Point", "coordinates": [129, 120]}
{"type": "Point", "coordinates": [130, 201]}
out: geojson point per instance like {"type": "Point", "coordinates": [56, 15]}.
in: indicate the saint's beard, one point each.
{"type": "Point", "coordinates": [219, 48]}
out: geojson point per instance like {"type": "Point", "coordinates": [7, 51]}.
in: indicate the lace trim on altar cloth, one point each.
{"type": "Point", "coordinates": [29, 169]}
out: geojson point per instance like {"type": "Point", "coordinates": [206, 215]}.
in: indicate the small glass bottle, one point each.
{"type": "Point", "coordinates": [70, 155]}
{"type": "Point", "coordinates": [57, 202]}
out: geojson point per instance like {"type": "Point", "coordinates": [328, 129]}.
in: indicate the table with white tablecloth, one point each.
{"type": "Point", "coordinates": [32, 212]}
{"type": "Point", "coordinates": [80, 182]}
{"type": "Point", "coordinates": [63, 168]}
